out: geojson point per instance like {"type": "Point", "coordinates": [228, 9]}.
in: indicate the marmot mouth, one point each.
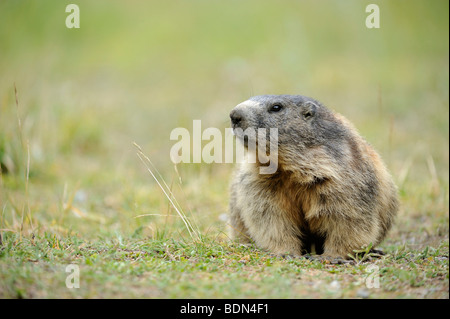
{"type": "Point", "coordinates": [250, 137]}
{"type": "Point", "coordinates": [242, 138]}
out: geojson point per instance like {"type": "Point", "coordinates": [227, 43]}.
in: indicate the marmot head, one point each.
{"type": "Point", "coordinates": [300, 120]}
{"type": "Point", "coordinates": [306, 131]}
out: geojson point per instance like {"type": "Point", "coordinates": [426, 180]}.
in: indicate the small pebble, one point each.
{"type": "Point", "coordinates": [363, 293]}
{"type": "Point", "coordinates": [334, 286]}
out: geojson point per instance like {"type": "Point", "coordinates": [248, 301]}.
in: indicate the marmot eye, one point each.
{"type": "Point", "coordinates": [276, 108]}
{"type": "Point", "coordinates": [307, 115]}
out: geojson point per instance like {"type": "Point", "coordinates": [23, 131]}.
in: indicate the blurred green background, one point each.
{"type": "Point", "coordinates": [135, 70]}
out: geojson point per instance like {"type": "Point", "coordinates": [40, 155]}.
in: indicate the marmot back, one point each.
{"type": "Point", "coordinates": [331, 191]}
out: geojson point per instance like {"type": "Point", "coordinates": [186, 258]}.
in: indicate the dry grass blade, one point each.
{"type": "Point", "coordinates": [404, 172]}
{"type": "Point", "coordinates": [26, 185]}
{"type": "Point", "coordinates": [144, 215]}
{"type": "Point", "coordinates": [435, 187]}
{"type": "Point", "coordinates": [167, 192]}
{"type": "Point", "coordinates": [18, 115]}
{"type": "Point", "coordinates": [27, 172]}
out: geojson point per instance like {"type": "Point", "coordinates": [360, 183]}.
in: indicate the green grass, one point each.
{"type": "Point", "coordinates": [137, 268]}
{"type": "Point", "coordinates": [73, 189]}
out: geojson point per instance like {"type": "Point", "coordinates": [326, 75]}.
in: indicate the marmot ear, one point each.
{"type": "Point", "coordinates": [308, 110]}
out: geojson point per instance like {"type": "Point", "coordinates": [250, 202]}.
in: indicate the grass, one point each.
{"type": "Point", "coordinates": [74, 103]}
{"type": "Point", "coordinates": [137, 268]}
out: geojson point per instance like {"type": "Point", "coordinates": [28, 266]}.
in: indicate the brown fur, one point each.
{"type": "Point", "coordinates": [331, 192]}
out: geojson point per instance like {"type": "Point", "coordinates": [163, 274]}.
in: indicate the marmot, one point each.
{"type": "Point", "coordinates": [331, 192]}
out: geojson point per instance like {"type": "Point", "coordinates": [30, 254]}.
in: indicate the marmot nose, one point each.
{"type": "Point", "coordinates": [236, 116]}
